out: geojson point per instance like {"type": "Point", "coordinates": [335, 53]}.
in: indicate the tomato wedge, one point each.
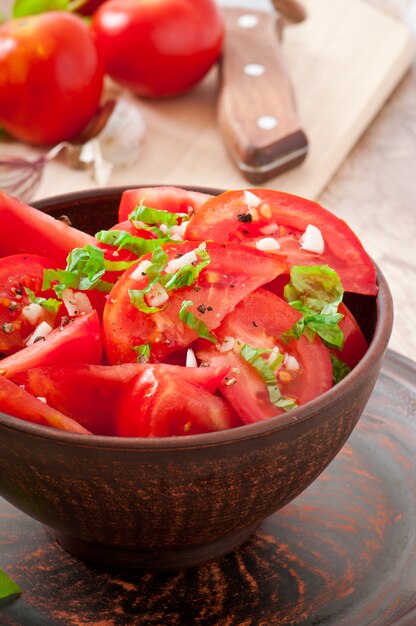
{"type": "Point", "coordinates": [21, 274]}
{"type": "Point", "coordinates": [233, 272]}
{"type": "Point", "coordinates": [172, 199]}
{"type": "Point", "coordinates": [157, 403]}
{"type": "Point", "coordinates": [90, 394]}
{"type": "Point", "coordinates": [19, 403]}
{"type": "Point", "coordinates": [355, 344]}
{"type": "Point", "coordinates": [259, 321]}
{"type": "Point", "coordinates": [27, 230]}
{"type": "Point", "coordinates": [78, 341]}
{"type": "Point", "coordinates": [250, 216]}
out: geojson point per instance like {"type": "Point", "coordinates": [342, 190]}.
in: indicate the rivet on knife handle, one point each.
{"type": "Point", "coordinates": [256, 107]}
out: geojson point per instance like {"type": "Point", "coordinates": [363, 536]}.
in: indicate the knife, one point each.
{"type": "Point", "coordinates": [256, 112]}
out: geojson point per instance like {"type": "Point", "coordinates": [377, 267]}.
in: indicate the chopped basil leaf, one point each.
{"type": "Point", "coordinates": [50, 304]}
{"type": "Point", "coordinates": [143, 352]}
{"type": "Point", "coordinates": [194, 323]}
{"type": "Point", "coordinates": [137, 296]}
{"type": "Point", "coordinates": [8, 588]}
{"type": "Point", "coordinates": [122, 240]}
{"type": "Point", "coordinates": [84, 270]}
{"type": "Point", "coordinates": [339, 368]}
{"type": "Point", "coordinates": [253, 356]}
{"type": "Point", "coordinates": [149, 215]}
{"type": "Point", "coordinates": [184, 277]}
{"type": "Point", "coordinates": [22, 8]}
{"type": "Point", "coordinates": [316, 291]}
{"type": "Point", "coordinates": [188, 274]}
{"type": "Point", "coordinates": [137, 300]}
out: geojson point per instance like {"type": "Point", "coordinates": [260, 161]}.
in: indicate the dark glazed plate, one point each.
{"type": "Point", "coordinates": [342, 553]}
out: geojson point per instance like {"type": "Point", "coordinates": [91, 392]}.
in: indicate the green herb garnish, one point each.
{"type": "Point", "coordinates": [8, 588]}
{"type": "Point", "coordinates": [339, 368]}
{"type": "Point", "coordinates": [143, 352]}
{"type": "Point", "coordinates": [50, 304]}
{"type": "Point", "coordinates": [84, 270]}
{"type": "Point", "coordinates": [316, 291]}
{"type": "Point", "coordinates": [184, 277]}
{"type": "Point", "coordinates": [148, 215]}
{"type": "Point", "coordinates": [123, 240]}
{"type": "Point", "coordinates": [253, 356]}
{"type": "Point", "coordinates": [194, 322]}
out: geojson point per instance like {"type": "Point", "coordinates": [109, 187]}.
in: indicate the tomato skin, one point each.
{"type": "Point", "coordinates": [90, 394]}
{"type": "Point", "coordinates": [17, 272]}
{"type": "Point", "coordinates": [172, 199]}
{"type": "Point", "coordinates": [78, 341]}
{"type": "Point", "coordinates": [239, 270]}
{"type": "Point", "coordinates": [259, 320]}
{"type": "Point", "coordinates": [355, 344]}
{"type": "Point", "coordinates": [29, 231]}
{"type": "Point", "coordinates": [159, 47]}
{"type": "Point", "coordinates": [51, 77]}
{"type": "Point", "coordinates": [218, 219]}
{"type": "Point", "coordinates": [17, 402]}
{"type": "Point", "coordinates": [161, 404]}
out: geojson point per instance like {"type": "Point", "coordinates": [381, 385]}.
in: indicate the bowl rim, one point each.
{"type": "Point", "coordinates": [264, 428]}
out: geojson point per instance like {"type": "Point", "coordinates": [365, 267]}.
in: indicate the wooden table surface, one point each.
{"type": "Point", "coordinates": [375, 190]}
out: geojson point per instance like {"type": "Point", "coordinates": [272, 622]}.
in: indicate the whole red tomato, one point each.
{"type": "Point", "coordinates": [159, 47]}
{"type": "Point", "coordinates": [51, 77]}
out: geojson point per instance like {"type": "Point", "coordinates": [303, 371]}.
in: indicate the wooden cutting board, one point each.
{"type": "Point", "coordinates": [345, 60]}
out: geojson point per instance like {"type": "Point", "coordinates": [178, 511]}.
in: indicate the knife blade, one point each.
{"type": "Point", "coordinates": [256, 109]}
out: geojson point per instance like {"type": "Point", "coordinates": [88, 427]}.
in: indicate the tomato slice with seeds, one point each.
{"type": "Point", "coordinates": [249, 216]}
{"type": "Point", "coordinates": [233, 272]}
{"type": "Point", "coordinates": [77, 341]}
{"type": "Point", "coordinates": [172, 199]}
{"type": "Point", "coordinates": [157, 403]}
{"type": "Point", "coordinates": [18, 316]}
{"type": "Point", "coordinates": [259, 321]}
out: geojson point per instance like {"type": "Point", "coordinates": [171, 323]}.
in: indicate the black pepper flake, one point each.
{"type": "Point", "coordinates": [178, 255]}
{"type": "Point", "coordinates": [40, 338]}
{"type": "Point", "coordinates": [13, 307]}
{"type": "Point", "coordinates": [244, 217]}
{"type": "Point", "coordinates": [202, 308]}
{"type": "Point", "coordinates": [209, 308]}
{"type": "Point", "coordinates": [65, 321]}
{"type": "Point", "coordinates": [232, 286]}
{"type": "Point", "coordinates": [65, 219]}
{"type": "Point", "coordinates": [196, 288]}
{"type": "Point", "coordinates": [245, 231]}
{"type": "Point", "coordinates": [255, 324]}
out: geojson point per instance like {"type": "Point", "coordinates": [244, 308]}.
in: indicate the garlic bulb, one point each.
{"type": "Point", "coordinates": [118, 142]}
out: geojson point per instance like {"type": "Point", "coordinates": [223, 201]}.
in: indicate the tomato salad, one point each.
{"type": "Point", "coordinates": [192, 314]}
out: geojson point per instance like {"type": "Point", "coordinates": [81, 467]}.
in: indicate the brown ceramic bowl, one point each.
{"type": "Point", "coordinates": [175, 502]}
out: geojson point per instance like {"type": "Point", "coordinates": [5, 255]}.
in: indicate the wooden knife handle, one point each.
{"type": "Point", "coordinates": [256, 106]}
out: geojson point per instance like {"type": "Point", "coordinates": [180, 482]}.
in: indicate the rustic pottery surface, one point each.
{"type": "Point", "coordinates": [342, 553]}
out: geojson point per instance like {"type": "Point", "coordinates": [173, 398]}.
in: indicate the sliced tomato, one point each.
{"type": "Point", "coordinates": [19, 403]}
{"type": "Point", "coordinates": [157, 403]}
{"type": "Point", "coordinates": [259, 321]}
{"type": "Point", "coordinates": [251, 215]}
{"type": "Point", "coordinates": [90, 394]}
{"type": "Point", "coordinates": [18, 316]}
{"type": "Point", "coordinates": [355, 344]}
{"type": "Point", "coordinates": [233, 272]}
{"type": "Point", "coordinates": [77, 341]}
{"type": "Point", "coordinates": [172, 199]}
{"type": "Point", "coordinates": [27, 230]}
